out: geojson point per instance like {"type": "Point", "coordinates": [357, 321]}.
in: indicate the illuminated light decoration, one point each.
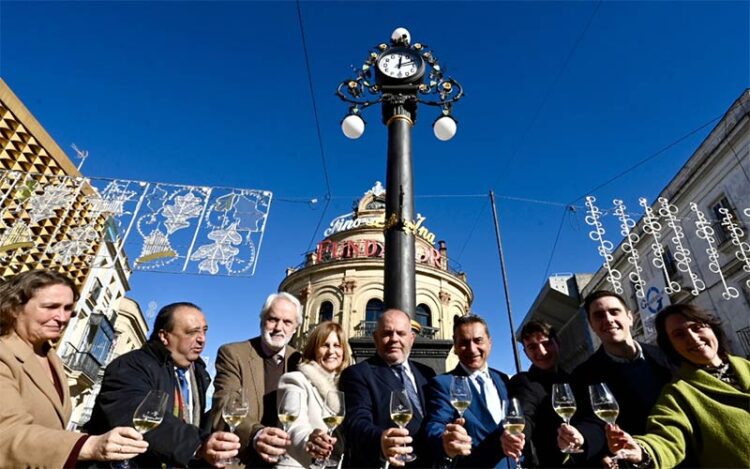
{"type": "Point", "coordinates": [221, 252]}
{"type": "Point", "coordinates": [112, 200]}
{"type": "Point", "coordinates": [705, 231]}
{"type": "Point", "coordinates": [81, 241]}
{"type": "Point", "coordinates": [53, 197]}
{"type": "Point", "coordinates": [156, 246]}
{"type": "Point", "coordinates": [630, 247]}
{"type": "Point", "coordinates": [682, 254]}
{"type": "Point", "coordinates": [735, 235]}
{"type": "Point", "coordinates": [652, 226]}
{"type": "Point", "coordinates": [605, 248]}
{"type": "Point", "coordinates": [184, 208]}
{"type": "Point", "coordinates": [18, 236]}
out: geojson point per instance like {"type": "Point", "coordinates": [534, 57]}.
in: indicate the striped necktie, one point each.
{"type": "Point", "coordinates": [185, 391]}
{"type": "Point", "coordinates": [409, 387]}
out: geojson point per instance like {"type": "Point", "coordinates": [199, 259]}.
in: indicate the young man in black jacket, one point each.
{"type": "Point", "coordinates": [634, 372]}
{"type": "Point", "coordinates": [534, 389]}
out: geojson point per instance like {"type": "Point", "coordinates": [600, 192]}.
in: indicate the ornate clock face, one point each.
{"type": "Point", "coordinates": [400, 64]}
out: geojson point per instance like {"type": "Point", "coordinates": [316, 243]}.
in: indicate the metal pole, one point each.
{"type": "Point", "coordinates": [505, 284]}
{"type": "Point", "coordinates": [400, 275]}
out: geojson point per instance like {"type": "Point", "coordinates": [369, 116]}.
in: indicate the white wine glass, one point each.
{"type": "Point", "coordinates": [147, 416]}
{"type": "Point", "coordinates": [234, 412]}
{"type": "Point", "coordinates": [564, 403]}
{"type": "Point", "coordinates": [289, 408]}
{"type": "Point", "coordinates": [460, 394]}
{"type": "Point", "coordinates": [604, 404]}
{"type": "Point", "coordinates": [401, 414]}
{"type": "Point", "coordinates": [336, 409]}
{"type": "Point", "coordinates": [514, 421]}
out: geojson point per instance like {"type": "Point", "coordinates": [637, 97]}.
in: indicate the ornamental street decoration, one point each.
{"type": "Point", "coordinates": [158, 227]}
{"type": "Point", "coordinates": [662, 234]}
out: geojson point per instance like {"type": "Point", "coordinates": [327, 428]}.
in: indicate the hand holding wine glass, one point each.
{"type": "Point", "coordinates": [605, 406]}
{"type": "Point", "coordinates": [290, 404]}
{"type": "Point", "coordinates": [336, 409]}
{"type": "Point", "coordinates": [564, 403]}
{"type": "Point", "coordinates": [460, 394]}
{"type": "Point", "coordinates": [147, 416]}
{"type": "Point", "coordinates": [234, 412]}
{"type": "Point", "coordinates": [514, 421]}
{"type": "Point", "coordinates": [401, 414]}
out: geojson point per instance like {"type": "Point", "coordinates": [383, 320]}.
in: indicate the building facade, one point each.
{"type": "Point", "coordinates": [711, 273]}
{"type": "Point", "coordinates": [342, 280]}
{"type": "Point", "coordinates": [50, 219]}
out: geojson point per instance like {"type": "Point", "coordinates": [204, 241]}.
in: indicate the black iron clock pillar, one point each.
{"type": "Point", "coordinates": [400, 289]}
{"type": "Point", "coordinates": [399, 76]}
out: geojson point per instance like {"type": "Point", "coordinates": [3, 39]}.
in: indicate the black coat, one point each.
{"type": "Point", "coordinates": [367, 387]}
{"type": "Point", "coordinates": [534, 390]}
{"type": "Point", "coordinates": [126, 382]}
{"type": "Point", "coordinates": [635, 392]}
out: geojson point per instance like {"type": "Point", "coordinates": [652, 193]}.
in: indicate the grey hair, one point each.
{"type": "Point", "coordinates": [281, 295]}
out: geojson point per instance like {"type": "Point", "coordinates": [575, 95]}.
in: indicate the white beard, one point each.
{"type": "Point", "coordinates": [275, 343]}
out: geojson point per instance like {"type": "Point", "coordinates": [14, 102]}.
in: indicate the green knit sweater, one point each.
{"type": "Point", "coordinates": [701, 420]}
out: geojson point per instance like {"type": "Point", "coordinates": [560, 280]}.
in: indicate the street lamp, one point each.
{"type": "Point", "coordinates": [399, 76]}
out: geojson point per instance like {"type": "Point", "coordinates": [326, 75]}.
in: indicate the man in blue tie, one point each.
{"type": "Point", "coordinates": [474, 440]}
{"type": "Point", "coordinates": [371, 436]}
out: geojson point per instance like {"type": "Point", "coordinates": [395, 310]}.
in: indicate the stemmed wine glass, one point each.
{"type": "Point", "coordinates": [401, 413]}
{"type": "Point", "coordinates": [234, 412]}
{"type": "Point", "coordinates": [147, 416]}
{"type": "Point", "coordinates": [289, 407]}
{"type": "Point", "coordinates": [564, 403]}
{"type": "Point", "coordinates": [336, 412]}
{"type": "Point", "coordinates": [460, 394]}
{"type": "Point", "coordinates": [514, 421]}
{"type": "Point", "coordinates": [604, 405]}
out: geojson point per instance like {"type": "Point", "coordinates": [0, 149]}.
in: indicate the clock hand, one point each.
{"type": "Point", "coordinates": [407, 63]}
{"type": "Point", "coordinates": [400, 59]}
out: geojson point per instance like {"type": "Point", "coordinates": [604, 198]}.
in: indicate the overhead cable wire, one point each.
{"type": "Point", "coordinates": [554, 245]}
{"type": "Point", "coordinates": [551, 88]}
{"type": "Point", "coordinates": [471, 231]}
{"type": "Point", "coordinates": [647, 159]}
{"type": "Point", "coordinates": [317, 121]}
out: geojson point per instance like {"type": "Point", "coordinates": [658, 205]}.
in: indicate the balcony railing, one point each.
{"type": "Point", "coordinates": [367, 328]}
{"type": "Point", "coordinates": [83, 362]}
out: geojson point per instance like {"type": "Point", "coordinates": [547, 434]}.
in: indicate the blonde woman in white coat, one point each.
{"type": "Point", "coordinates": [323, 358]}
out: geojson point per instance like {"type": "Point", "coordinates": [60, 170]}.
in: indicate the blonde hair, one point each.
{"type": "Point", "coordinates": [318, 337]}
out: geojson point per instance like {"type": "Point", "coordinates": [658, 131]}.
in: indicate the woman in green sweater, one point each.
{"type": "Point", "coordinates": [702, 417]}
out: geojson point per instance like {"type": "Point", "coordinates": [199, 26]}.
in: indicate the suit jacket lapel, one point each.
{"type": "Point", "coordinates": [38, 375]}
{"type": "Point", "coordinates": [421, 383]}
{"type": "Point", "coordinates": [383, 372]}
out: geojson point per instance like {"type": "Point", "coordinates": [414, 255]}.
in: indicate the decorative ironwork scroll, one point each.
{"type": "Point", "coordinates": [705, 231]}
{"type": "Point", "coordinates": [605, 248]}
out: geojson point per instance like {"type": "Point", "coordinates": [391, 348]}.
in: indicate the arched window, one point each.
{"type": "Point", "coordinates": [424, 315]}
{"type": "Point", "coordinates": [374, 310]}
{"type": "Point", "coordinates": [325, 313]}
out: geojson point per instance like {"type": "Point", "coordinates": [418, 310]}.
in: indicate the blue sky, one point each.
{"type": "Point", "coordinates": [560, 97]}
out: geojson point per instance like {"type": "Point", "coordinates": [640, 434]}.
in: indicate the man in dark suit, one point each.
{"type": "Point", "coordinates": [169, 362]}
{"type": "Point", "coordinates": [634, 372]}
{"type": "Point", "coordinates": [474, 440]}
{"type": "Point", "coordinates": [534, 389]}
{"type": "Point", "coordinates": [255, 366]}
{"type": "Point", "coordinates": [371, 436]}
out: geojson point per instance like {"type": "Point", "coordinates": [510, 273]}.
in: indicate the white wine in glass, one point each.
{"type": "Point", "coordinates": [401, 414]}
{"type": "Point", "coordinates": [604, 403]}
{"type": "Point", "coordinates": [460, 394]}
{"type": "Point", "coordinates": [514, 422]}
{"type": "Point", "coordinates": [564, 403]}
{"type": "Point", "coordinates": [290, 402]}
{"type": "Point", "coordinates": [336, 408]}
{"type": "Point", "coordinates": [147, 416]}
{"type": "Point", "coordinates": [234, 412]}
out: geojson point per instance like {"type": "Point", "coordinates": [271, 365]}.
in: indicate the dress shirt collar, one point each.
{"type": "Point", "coordinates": [638, 355]}
{"type": "Point", "coordinates": [277, 355]}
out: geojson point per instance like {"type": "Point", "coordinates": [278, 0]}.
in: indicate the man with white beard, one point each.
{"type": "Point", "coordinates": [255, 366]}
